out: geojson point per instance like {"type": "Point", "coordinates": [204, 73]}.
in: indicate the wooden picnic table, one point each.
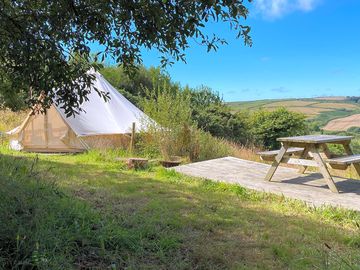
{"type": "Point", "coordinates": [315, 152]}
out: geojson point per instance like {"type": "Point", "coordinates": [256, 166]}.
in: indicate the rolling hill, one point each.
{"type": "Point", "coordinates": [329, 113]}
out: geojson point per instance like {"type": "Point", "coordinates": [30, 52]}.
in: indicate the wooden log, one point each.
{"type": "Point", "coordinates": [137, 163]}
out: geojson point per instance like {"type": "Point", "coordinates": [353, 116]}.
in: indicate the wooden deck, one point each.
{"type": "Point", "coordinates": [310, 188]}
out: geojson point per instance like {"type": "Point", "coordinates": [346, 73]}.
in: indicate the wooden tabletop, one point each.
{"type": "Point", "coordinates": [316, 139]}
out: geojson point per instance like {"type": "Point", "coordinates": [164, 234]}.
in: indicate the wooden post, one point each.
{"type": "Point", "coordinates": [132, 141]}
{"type": "Point", "coordinates": [46, 129]}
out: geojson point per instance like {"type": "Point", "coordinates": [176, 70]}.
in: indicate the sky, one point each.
{"type": "Point", "coordinates": [301, 48]}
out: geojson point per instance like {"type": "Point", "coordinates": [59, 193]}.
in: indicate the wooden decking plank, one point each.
{"type": "Point", "coordinates": [310, 188]}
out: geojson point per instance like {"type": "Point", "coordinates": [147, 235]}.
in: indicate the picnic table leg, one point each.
{"type": "Point", "coordinates": [276, 162]}
{"type": "Point", "coordinates": [323, 169]}
{"type": "Point", "coordinates": [326, 151]}
{"type": "Point", "coordinates": [349, 151]}
{"type": "Point", "coordinates": [304, 154]}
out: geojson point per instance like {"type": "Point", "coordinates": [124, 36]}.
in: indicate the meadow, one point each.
{"type": "Point", "coordinates": [88, 211]}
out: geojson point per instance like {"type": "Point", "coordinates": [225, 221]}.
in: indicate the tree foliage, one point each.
{"type": "Point", "coordinates": [266, 126]}
{"type": "Point", "coordinates": [208, 110]}
{"type": "Point", "coordinates": [38, 37]}
{"type": "Point", "coordinates": [135, 87]}
{"type": "Point", "coordinates": [211, 114]}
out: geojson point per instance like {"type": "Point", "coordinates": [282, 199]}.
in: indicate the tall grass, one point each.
{"type": "Point", "coordinates": [10, 119]}
{"type": "Point", "coordinates": [44, 228]}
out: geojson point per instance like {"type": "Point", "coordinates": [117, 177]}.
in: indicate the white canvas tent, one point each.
{"type": "Point", "coordinates": [101, 124]}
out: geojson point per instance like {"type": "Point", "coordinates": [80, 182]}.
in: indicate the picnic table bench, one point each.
{"type": "Point", "coordinates": [312, 151]}
{"type": "Point", "coordinates": [270, 155]}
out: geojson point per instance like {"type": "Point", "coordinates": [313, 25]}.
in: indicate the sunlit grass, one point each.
{"type": "Point", "coordinates": [93, 212]}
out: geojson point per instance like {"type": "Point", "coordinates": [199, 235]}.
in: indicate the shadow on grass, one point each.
{"type": "Point", "coordinates": [99, 215]}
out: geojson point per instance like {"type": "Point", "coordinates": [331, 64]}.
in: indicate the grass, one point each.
{"type": "Point", "coordinates": [10, 120]}
{"type": "Point", "coordinates": [290, 103]}
{"type": "Point", "coordinates": [88, 211]}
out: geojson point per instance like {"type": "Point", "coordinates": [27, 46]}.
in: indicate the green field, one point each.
{"type": "Point", "coordinates": [88, 211]}
{"type": "Point", "coordinates": [318, 111]}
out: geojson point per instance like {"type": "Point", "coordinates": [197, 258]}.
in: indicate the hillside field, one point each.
{"type": "Point", "coordinates": [343, 123]}
{"type": "Point", "coordinates": [321, 111]}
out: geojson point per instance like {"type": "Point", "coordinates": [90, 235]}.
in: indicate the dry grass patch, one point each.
{"type": "Point", "coordinates": [10, 119]}
{"type": "Point", "coordinates": [290, 103]}
{"type": "Point", "coordinates": [333, 106]}
{"type": "Point", "coordinates": [308, 111]}
{"type": "Point", "coordinates": [331, 98]}
{"type": "Point", "coordinates": [343, 124]}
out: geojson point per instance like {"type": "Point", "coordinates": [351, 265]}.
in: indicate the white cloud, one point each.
{"type": "Point", "coordinates": [273, 9]}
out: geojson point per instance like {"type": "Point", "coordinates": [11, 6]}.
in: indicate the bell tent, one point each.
{"type": "Point", "coordinates": [101, 124]}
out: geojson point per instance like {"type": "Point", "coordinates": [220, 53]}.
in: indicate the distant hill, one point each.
{"type": "Point", "coordinates": [321, 110]}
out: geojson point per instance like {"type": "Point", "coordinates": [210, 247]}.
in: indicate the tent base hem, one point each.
{"type": "Point", "coordinates": [53, 150]}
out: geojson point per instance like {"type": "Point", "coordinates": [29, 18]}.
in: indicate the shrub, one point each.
{"type": "Point", "coordinates": [210, 147]}
{"type": "Point", "coordinates": [208, 111]}
{"type": "Point", "coordinates": [266, 126]}
{"type": "Point", "coordinates": [211, 114]}
{"type": "Point", "coordinates": [354, 130]}
{"type": "Point", "coordinates": [173, 131]}
{"type": "Point", "coordinates": [220, 122]}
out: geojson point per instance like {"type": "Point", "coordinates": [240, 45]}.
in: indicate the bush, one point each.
{"type": "Point", "coordinates": [172, 134]}
{"type": "Point", "coordinates": [211, 114]}
{"type": "Point", "coordinates": [210, 147]}
{"type": "Point", "coordinates": [175, 133]}
{"type": "Point", "coordinates": [354, 130]}
{"type": "Point", "coordinates": [266, 126]}
{"type": "Point", "coordinates": [220, 122]}
{"type": "Point", "coordinates": [208, 111]}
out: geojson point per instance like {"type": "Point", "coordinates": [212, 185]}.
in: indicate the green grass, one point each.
{"type": "Point", "coordinates": [251, 105]}
{"type": "Point", "coordinates": [88, 211]}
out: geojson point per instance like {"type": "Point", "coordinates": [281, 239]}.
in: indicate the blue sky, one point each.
{"type": "Point", "coordinates": [302, 48]}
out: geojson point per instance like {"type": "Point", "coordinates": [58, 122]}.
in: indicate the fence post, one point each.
{"type": "Point", "coordinates": [132, 141]}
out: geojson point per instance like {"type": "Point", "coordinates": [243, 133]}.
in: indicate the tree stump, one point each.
{"type": "Point", "coordinates": [137, 163]}
{"type": "Point", "coordinates": [172, 161]}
